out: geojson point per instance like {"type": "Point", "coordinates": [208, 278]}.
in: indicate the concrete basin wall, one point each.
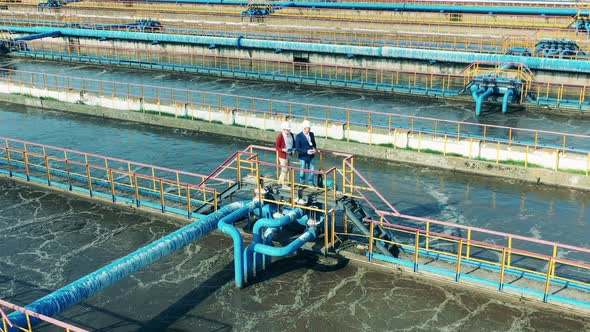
{"type": "Point", "coordinates": [458, 154]}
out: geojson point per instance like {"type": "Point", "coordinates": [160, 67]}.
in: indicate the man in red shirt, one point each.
{"type": "Point", "coordinates": [285, 146]}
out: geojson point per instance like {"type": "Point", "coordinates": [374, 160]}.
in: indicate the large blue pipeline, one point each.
{"type": "Point", "coordinates": [250, 255]}
{"type": "Point", "coordinates": [480, 95]}
{"type": "Point", "coordinates": [89, 285]}
{"type": "Point", "coordinates": [261, 247]}
{"type": "Point", "coordinates": [226, 225]}
{"type": "Point", "coordinates": [539, 63]}
{"type": "Point", "coordinates": [39, 36]}
{"type": "Point", "coordinates": [509, 10]}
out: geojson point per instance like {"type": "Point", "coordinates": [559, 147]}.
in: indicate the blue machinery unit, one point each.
{"type": "Point", "coordinates": [258, 9]}
{"type": "Point", "coordinates": [551, 48]}
{"type": "Point", "coordinates": [484, 87]}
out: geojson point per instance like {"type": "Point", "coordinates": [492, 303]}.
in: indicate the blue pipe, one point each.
{"type": "Point", "coordinates": [87, 286]}
{"type": "Point", "coordinates": [481, 98]}
{"type": "Point", "coordinates": [506, 99]}
{"type": "Point", "coordinates": [226, 225]}
{"type": "Point", "coordinates": [550, 64]}
{"type": "Point", "coordinates": [40, 35]}
{"type": "Point", "coordinates": [308, 235]}
{"type": "Point", "coordinates": [249, 255]}
{"type": "Point", "coordinates": [274, 223]}
{"type": "Point", "coordinates": [476, 91]}
{"type": "Point", "coordinates": [402, 7]}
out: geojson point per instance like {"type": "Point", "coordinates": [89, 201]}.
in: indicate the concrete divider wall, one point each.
{"type": "Point", "coordinates": [392, 145]}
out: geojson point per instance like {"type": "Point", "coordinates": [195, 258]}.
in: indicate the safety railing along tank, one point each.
{"type": "Point", "coordinates": [380, 79]}
{"type": "Point", "coordinates": [450, 42]}
{"type": "Point", "coordinates": [376, 123]}
{"type": "Point", "coordinates": [284, 16]}
{"type": "Point", "coordinates": [54, 323]}
{"type": "Point", "coordinates": [351, 77]}
{"type": "Point", "coordinates": [427, 239]}
{"type": "Point", "coordinates": [115, 179]}
{"type": "Point", "coordinates": [336, 27]}
{"type": "Point", "coordinates": [476, 3]}
{"type": "Point", "coordinates": [511, 262]}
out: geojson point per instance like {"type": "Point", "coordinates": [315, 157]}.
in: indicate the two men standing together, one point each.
{"type": "Point", "coordinates": [306, 147]}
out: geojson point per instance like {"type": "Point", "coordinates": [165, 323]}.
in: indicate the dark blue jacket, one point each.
{"type": "Point", "coordinates": [302, 145]}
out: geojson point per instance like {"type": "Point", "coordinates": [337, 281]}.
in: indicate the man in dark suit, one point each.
{"type": "Point", "coordinates": [306, 148]}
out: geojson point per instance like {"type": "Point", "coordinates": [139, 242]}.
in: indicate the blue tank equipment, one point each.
{"type": "Point", "coordinates": [226, 226]}
{"type": "Point", "coordinates": [583, 24]}
{"type": "Point", "coordinates": [558, 48]}
{"type": "Point", "coordinates": [272, 224]}
{"type": "Point", "coordinates": [484, 87]}
{"type": "Point", "coordinates": [87, 286]}
{"type": "Point", "coordinates": [540, 63]}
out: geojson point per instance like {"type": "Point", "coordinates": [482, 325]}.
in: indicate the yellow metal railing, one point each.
{"type": "Point", "coordinates": [186, 102]}
{"type": "Point", "coordinates": [117, 178]}
{"type": "Point", "coordinates": [423, 242]}
{"type": "Point", "coordinates": [291, 15]}
{"type": "Point", "coordinates": [5, 322]}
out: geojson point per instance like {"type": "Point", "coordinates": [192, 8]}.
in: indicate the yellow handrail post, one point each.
{"type": "Point", "coordinates": [554, 256]}
{"type": "Point", "coordinates": [26, 157]}
{"type": "Point", "coordinates": [326, 242]}
{"type": "Point", "coordinates": [468, 249]}
{"type": "Point", "coordinates": [509, 251]}
{"type": "Point", "coordinates": [333, 231]}
{"type": "Point", "coordinates": [129, 170]}
{"type": "Point", "coordinates": [68, 174]}
{"type": "Point", "coordinates": [89, 179]}
{"type": "Point", "coordinates": [10, 162]}
{"type": "Point", "coordinates": [550, 267]}
{"type": "Point", "coordinates": [47, 170]}
{"type": "Point", "coordinates": [162, 196]}
{"type": "Point", "coordinates": [427, 244]}
{"type": "Point", "coordinates": [137, 203]}
{"type": "Point", "coordinates": [345, 223]}
{"type": "Point", "coordinates": [416, 250]}
{"type": "Point", "coordinates": [371, 239]}
{"type": "Point", "coordinates": [112, 180]}
{"type": "Point", "coordinates": [188, 201]}
{"type": "Point", "coordinates": [215, 201]}
{"type": "Point", "coordinates": [459, 255]}
{"type": "Point", "coordinates": [502, 268]}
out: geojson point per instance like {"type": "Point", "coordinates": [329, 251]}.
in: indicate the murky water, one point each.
{"type": "Point", "coordinates": [364, 100]}
{"type": "Point", "coordinates": [48, 240]}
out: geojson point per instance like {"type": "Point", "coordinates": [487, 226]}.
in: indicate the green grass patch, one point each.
{"type": "Point", "coordinates": [23, 94]}
{"type": "Point", "coordinates": [574, 171]}
{"type": "Point", "coordinates": [351, 141]}
{"type": "Point", "coordinates": [28, 95]}
{"type": "Point", "coordinates": [520, 163]}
